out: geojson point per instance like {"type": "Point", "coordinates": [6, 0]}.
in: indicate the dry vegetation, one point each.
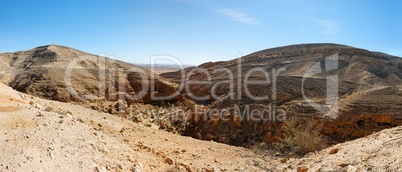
{"type": "Point", "coordinates": [301, 137]}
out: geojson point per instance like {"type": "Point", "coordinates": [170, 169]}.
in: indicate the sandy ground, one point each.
{"type": "Point", "coordinates": [43, 135]}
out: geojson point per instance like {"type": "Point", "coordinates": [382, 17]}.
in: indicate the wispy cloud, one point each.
{"type": "Point", "coordinates": [236, 14]}
{"type": "Point", "coordinates": [328, 27]}
{"type": "Point", "coordinates": [239, 16]}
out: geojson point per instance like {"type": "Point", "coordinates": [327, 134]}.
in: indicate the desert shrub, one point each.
{"type": "Point", "coordinates": [301, 137]}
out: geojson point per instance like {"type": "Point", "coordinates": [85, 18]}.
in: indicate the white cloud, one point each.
{"type": "Point", "coordinates": [328, 27]}
{"type": "Point", "coordinates": [238, 15]}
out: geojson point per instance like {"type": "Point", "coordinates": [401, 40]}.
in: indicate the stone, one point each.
{"type": "Point", "coordinates": [49, 109]}
{"type": "Point", "coordinates": [169, 161]}
{"type": "Point", "coordinates": [199, 136]}
{"type": "Point", "coordinates": [237, 120]}
{"type": "Point", "coordinates": [302, 169]}
{"type": "Point", "coordinates": [333, 151]}
{"type": "Point", "coordinates": [210, 137]}
{"type": "Point", "coordinates": [209, 169]}
{"type": "Point", "coordinates": [39, 114]}
{"type": "Point", "coordinates": [284, 160]}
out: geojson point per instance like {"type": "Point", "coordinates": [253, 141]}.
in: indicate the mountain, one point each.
{"type": "Point", "coordinates": [65, 74]}
{"type": "Point", "coordinates": [44, 135]}
{"type": "Point", "coordinates": [367, 88]}
{"type": "Point", "coordinates": [341, 91]}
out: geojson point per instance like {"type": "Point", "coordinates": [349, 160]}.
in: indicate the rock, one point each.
{"type": "Point", "coordinates": [39, 114]}
{"type": "Point", "coordinates": [268, 136]}
{"type": "Point", "coordinates": [169, 161]}
{"type": "Point", "coordinates": [138, 167]}
{"type": "Point", "coordinates": [80, 120]}
{"type": "Point", "coordinates": [214, 122]}
{"type": "Point", "coordinates": [100, 169]}
{"type": "Point", "coordinates": [120, 106]}
{"type": "Point", "coordinates": [199, 136]}
{"type": "Point", "coordinates": [351, 168]}
{"type": "Point", "coordinates": [224, 139]}
{"type": "Point", "coordinates": [23, 96]}
{"type": "Point", "coordinates": [209, 137]}
{"type": "Point", "coordinates": [237, 120]}
{"type": "Point", "coordinates": [343, 164]}
{"type": "Point", "coordinates": [38, 106]}
{"type": "Point", "coordinates": [302, 169]}
{"type": "Point", "coordinates": [49, 109]}
{"type": "Point", "coordinates": [93, 107]}
{"type": "Point", "coordinates": [334, 151]}
{"type": "Point", "coordinates": [209, 169]}
{"type": "Point", "coordinates": [122, 130]}
{"type": "Point", "coordinates": [111, 111]}
{"type": "Point", "coordinates": [173, 170]}
{"type": "Point", "coordinates": [187, 167]}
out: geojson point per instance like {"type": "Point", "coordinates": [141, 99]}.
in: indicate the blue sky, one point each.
{"type": "Point", "coordinates": [197, 31]}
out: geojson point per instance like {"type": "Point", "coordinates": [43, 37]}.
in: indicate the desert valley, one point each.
{"type": "Point", "coordinates": [306, 107]}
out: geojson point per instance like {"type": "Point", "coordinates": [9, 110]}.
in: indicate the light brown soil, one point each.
{"type": "Point", "coordinates": [42, 135]}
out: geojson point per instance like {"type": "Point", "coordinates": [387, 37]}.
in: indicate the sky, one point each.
{"type": "Point", "coordinates": [198, 31]}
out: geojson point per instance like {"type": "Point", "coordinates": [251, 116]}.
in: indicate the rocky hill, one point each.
{"type": "Point", "coordinates": [368, 93]}
{"type": "Point", "coordinates": [65, 74]}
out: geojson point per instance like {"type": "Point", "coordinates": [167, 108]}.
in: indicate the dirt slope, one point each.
{"type": "Point", "coordinates": [43, 135]}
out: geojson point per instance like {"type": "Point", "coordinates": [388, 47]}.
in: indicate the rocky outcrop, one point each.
{"type": "Point", "coordinates": [65, 74]}
{"type": "Point", "coordinates": [369, 92]}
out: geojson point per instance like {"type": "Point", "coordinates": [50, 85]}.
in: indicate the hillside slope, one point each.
{"type": "Point", "coordinates": [368, 92]}
{"type": "Point", "coordinates": [65, 74]}
{"type": "Point", "coordinates": [369, 99]}
{"type": "Point", "coordinates": [43, 135]}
